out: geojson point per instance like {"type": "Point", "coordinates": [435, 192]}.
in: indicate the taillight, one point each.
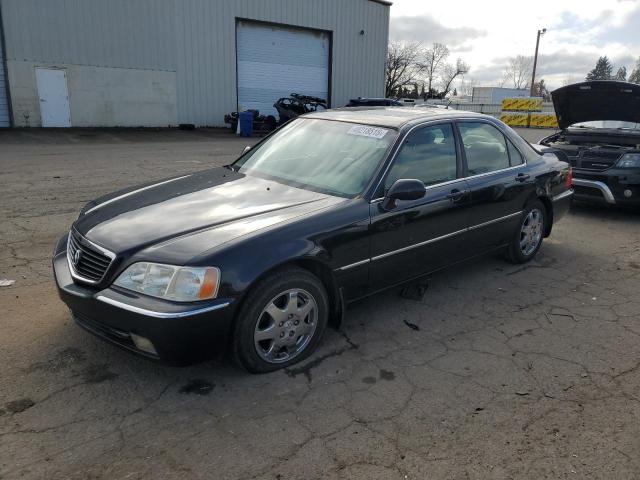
{"type": "Point", "coordinates": [568, 182]}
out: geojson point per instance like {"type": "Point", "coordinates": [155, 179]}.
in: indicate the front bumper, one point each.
{"type": "Point", "coordinates": [179, 333]}
{"type": "Point", "coordinates": [613, 186]}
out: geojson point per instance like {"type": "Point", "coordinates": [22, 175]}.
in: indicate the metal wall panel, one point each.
{"type": "Point", "coordinates": [4, 101]}
{"type": "Point", "coordinates": [104, 33]}
{"type": "Point", "coordinates": [196, 39]}
{"type": "Point", "coordinates": [206, 30]}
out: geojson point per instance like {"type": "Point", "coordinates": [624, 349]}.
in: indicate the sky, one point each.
{"type": "Point", "coordinates": [485, 33]}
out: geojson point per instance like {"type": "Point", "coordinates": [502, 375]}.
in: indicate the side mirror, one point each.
{"type": "Point", "coordinates": [404, 189]}
{"type": "Point", "coordinates": [245, 149]}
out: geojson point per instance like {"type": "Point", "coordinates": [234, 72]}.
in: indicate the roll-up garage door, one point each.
{"type": "Point", "coordinates": [275, 61]}
{"type": "Point", "coordinates": [4, 101]}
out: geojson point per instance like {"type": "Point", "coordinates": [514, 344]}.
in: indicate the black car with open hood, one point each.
{"type": "Point", "coordinates": [600, 136]}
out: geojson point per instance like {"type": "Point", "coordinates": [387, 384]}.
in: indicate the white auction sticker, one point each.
{"type": "Point", "coordinates": [365, 131]}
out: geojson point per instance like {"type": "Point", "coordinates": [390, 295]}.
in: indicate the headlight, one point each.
{"type": "Point", "coordinates": [180, 284]}
{"type": "Point", "coordinates": [629, 160]}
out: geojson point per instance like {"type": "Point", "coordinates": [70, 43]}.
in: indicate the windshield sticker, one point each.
{"type": "Point", "coordinates": [365, 131]}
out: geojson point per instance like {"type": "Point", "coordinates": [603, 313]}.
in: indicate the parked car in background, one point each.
{"type": "Point", "coordinates": [373, 102]}
{"type": "Point", "coordinates": [600, 137]}
{"type": "Point", "coordinates": [262, 254]}
{"type": "Point", "coordinates": [296, 104]}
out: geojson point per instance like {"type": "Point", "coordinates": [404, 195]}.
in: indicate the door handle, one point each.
{"type": "Point", "coordinates": [521, 177]}
{"type": "Point", "coordinates": [456, 194]}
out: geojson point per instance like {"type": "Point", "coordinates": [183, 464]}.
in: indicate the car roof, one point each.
{"type": "Point", "coordinates": [394, 117]}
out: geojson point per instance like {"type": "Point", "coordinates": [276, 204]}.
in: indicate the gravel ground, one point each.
{"type": "Point", "coordinates": [501, 371]}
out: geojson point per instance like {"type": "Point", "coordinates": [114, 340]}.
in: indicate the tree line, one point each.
{"type": "Point", "coordinates": [604, 71]}
{"type": "Point", "coordinates": [415, 71]}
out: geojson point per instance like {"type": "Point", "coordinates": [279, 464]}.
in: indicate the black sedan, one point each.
{"type": "Point", "coordinates": [262, 254]}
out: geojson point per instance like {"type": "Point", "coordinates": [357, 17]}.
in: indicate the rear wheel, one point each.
{"type": "Point", "coordinates": [527, 239]}
{"type": "Point", "coordinates": [281, 321]}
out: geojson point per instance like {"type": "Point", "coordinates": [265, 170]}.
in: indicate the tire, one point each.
{"type": "Point", "coordinates": [271, 332]}
{"type": "Point", "coordinates": [527, 238]}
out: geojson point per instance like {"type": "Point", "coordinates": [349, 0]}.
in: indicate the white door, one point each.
{"type": "Point", "coordinates": [274, 62]}
{"type": "Point", "coordinates": [54, 97]}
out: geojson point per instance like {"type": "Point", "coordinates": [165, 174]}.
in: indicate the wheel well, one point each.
{"type": "Point", "coordinates": [549, 217]}
{"type": "Point", "coordinates": [325, 275]}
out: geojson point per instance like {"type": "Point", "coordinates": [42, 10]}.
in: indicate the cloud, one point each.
{"type": "Point", "coordinates": [553, 67]}
{"type": "Point", "coordinates": [626, 33]}
{"type": "Point", "coordinates": [427, 30]}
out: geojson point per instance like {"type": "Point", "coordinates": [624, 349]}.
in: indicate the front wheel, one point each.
{"type": "Point", "coordinates": [528, 237]}
{"type": "Point", "coordinates": [281, 321]}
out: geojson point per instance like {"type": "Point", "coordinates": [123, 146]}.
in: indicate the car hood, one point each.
{"type": "Point", "coordinates": [597, 100]}
{"type": "Point", "coordinates": [228, 203]}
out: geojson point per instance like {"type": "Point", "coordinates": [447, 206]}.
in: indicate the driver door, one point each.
{"type": "Point", "coordinates": [420, 236]}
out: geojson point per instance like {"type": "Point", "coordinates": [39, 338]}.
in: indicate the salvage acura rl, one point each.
{"type": "Point", "coordinates": [600, 136]}
{"type": "Point", "coordinates": [334, 206]}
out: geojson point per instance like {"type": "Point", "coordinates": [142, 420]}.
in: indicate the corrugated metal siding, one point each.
{"type": "Point", "coordinates": [4, 101]}
{"type": "Point", "coordinates": [206, 29]}
{"type": "Point", "coordinates": [114, 33]}
{"type": "Point", "coordinates": [196, 38]}
{"type": "Point", "coordinates": [266, 73]}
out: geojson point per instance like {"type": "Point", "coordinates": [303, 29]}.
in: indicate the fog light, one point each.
{"type": "Point", "coordinates": [627, 193]}
{"type": "Point", "coordinates": [143, 344]}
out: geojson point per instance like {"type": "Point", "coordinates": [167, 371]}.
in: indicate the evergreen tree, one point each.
{"type": "Point", "coordinates": [622, 74]}
{"type": "Point", "coordinates": [602, 70]}
{"type": "Point", "coordinates": [635, 74]}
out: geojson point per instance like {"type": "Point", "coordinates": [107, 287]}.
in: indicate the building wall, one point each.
{"type": "Point", "coordinates": [4, 100]}
{"type": "Point", "coordinates": [124, 57]}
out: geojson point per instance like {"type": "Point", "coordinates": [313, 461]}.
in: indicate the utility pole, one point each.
{"type": "Point", "coordinates": [535, 60]}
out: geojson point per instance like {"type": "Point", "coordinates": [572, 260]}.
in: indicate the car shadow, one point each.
{"type": "Point", "coordinates": [605, 212]}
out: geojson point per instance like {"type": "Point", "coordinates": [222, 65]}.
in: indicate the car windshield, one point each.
{"type": "Point", "coordinates": [332, 157]}
{"type": "Point", "coordinates": [611, 124]}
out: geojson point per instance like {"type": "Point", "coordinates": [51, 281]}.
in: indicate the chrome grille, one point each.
{"type": "Point", "coordinates": [87, 261]}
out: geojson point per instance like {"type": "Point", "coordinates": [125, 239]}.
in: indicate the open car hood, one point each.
{"type": "Point", "coordinates": [597, 100]}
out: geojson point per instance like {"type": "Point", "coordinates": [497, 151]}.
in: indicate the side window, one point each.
{"type": "Point", "coordinates": [428, 154]}
{"type": "Point", "coordinates": [514, 154]}
{"type": "Point", "coordinates": [485, 147]}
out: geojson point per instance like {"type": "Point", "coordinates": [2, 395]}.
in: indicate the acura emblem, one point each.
{"type": "Point", "coordinates": [77, 256]}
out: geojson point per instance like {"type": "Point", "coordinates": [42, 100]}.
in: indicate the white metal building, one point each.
{"type": "Point", "coordinates": [495, 95]}
{"type": "Point", "coordinates": [167, 62]}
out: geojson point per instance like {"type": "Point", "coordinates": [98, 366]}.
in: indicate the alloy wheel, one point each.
{"type": "Point", "coordinates": [531, 232]}
{"type": "Point", "coordinates": [286, 326]}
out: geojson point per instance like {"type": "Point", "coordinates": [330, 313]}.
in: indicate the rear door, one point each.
{"type": "Point", "coordinates": [422, 235]}
{"type": "Point", "coordinates": [497, 178]}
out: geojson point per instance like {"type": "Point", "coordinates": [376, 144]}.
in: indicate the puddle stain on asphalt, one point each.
{"type": "Point", "coordinates": [98, 374]}
{"type": "Point", "coordinates": [62, 360]}
{"type": "Point", "coordinates": [18, 406]}
{"type": "Point", "coordinates": [197, 387]}
{"type": "Point", "coordinates": [383, 374]}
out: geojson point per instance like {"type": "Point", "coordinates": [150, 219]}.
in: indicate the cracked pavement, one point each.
{"type": "Point", "coordinates": [500, 371]}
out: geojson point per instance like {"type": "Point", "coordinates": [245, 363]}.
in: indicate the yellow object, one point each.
{"type": "Point", "coordinates": [543, 120]}
{"type": "Point", "coordinates": [515, 119]}
{"type": "Point", "coordinates": [522, 104]}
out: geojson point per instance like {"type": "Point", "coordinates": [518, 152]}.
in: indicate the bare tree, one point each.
{"type": "Point", "coordinates": [450, 72]}
{"type": "Point", "coordinates": [518, 72]}
{"type": "Point", "coordinates": [402, 67]}
{"type": "Point", "coordinates": [434, 59]}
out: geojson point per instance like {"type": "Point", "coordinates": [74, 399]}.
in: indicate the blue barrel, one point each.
{"type": "Point", "coordinates": [246, 123]}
